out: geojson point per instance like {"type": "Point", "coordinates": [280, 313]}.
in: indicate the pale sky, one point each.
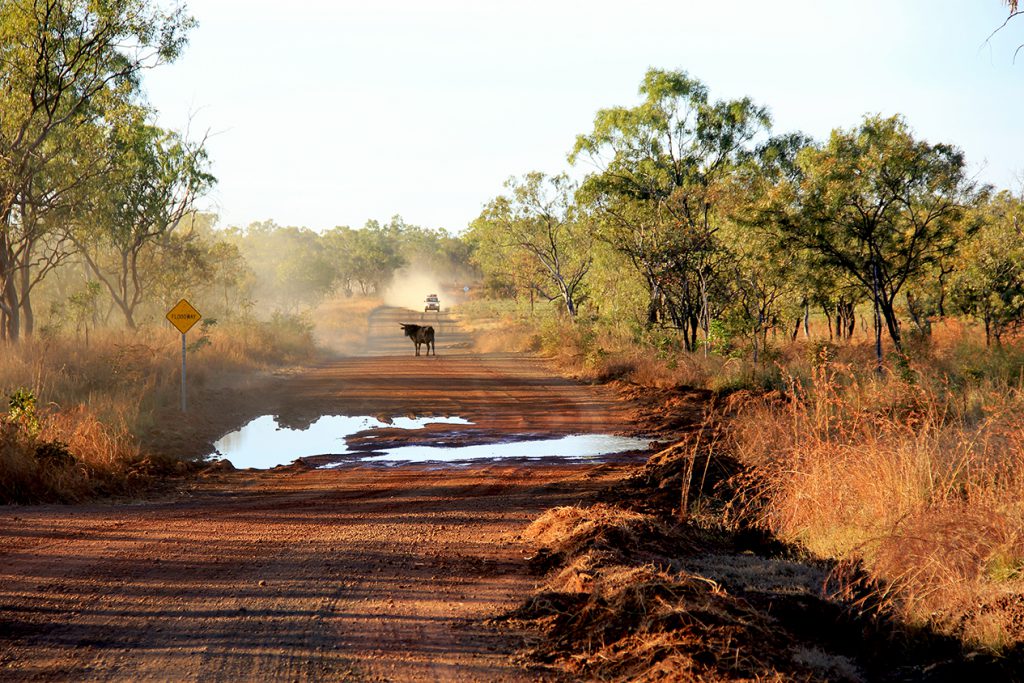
{"type": "Point", "coordinates": [330, 112]}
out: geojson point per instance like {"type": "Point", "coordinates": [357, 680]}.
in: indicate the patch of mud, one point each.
{"type": "Point", "coordinates": [617, 605]}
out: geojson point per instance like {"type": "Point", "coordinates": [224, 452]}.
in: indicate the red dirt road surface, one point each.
{"type": "Point", "coordinates": [361, 573]}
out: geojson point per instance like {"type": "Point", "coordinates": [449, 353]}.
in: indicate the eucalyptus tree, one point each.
{"type": "Point", "coordinates": [375, 255]}
{"type": "Point", "coordinates": [507, 272]}
{"type": "Point", "coordinates": [36, 240]}
{"type": "Point", "coordinates": [193, 262]}
{"type": "Point", "coordinates": [435, 250]}
{"type": "Point", "coordinates": [64, 64]}
{"type": "Point", "coordinates": [538, 221]}
{"type": "Point", "coordinates": [660, 170]}
{"type": "Point", "coordinates": [879, 205]}
{"type": "Point", "coordinates": [231, 277]}
{"type": "Point", "coordinates": [156, 177]}
{"type": "Point", "coordinates": [198, 262]}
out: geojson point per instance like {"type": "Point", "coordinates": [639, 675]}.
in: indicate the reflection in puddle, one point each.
{"type": "Point", "coordinates": [263, 444]}
{"type": "Point", "coordinates": [576, 446]}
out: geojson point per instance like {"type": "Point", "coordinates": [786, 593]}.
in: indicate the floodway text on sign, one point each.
{"type": "Point", "coordinates": [183, 316]}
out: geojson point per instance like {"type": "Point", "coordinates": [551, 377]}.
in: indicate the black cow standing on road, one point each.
{"type": "Point", "coordinates": [420, 334]}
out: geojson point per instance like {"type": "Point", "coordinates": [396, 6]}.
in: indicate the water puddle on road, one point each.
{"type": "Point", "coordinates": [263, 444]}
{"type": "Point", "coordinates": [572, 447]}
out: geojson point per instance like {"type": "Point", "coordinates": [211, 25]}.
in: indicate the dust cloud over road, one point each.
{"type": "Point", "coordinates": [363, 573]}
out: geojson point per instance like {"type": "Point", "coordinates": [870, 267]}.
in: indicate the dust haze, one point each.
{"type": "Point", "coordinates": [410, 287]}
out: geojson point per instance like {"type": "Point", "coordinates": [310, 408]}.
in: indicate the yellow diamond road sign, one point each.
{"type": "Point", "coordinates": [183, 316]}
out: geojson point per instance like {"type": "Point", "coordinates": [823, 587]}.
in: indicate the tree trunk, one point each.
{"type": "Point", "coordinates": [654, 306]}
{"type": "Point", "coordinates": [917, 317]}
{"type": "Point", "coordinates": [128, 313]}
{"type": "Point", "coordinates": [691, 324]}
{"type": "Point", "coordinates": [807, 319]}
{"type": "Point", "coordinates": [567, 296]}
{"type": "Point", "coordinates": [12, 307]}
{"type": "Point", "coordinates": [705, 314]}
{"type": "Point", "coordinates": [877, 318]}
{"type": "Point", "coordinates": [26, 303]}
{"type": "Point", "coordinates": [28, 317]}
{"type": "Point", "coordinates": [942, 293]}
{"type": "Point", "coordinates": [570, 306]}
{"type": "Point", "coordinates": [893, 324]}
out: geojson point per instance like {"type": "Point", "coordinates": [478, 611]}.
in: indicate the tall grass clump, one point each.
{"type": "Point", "coordinates": [917, 479]}
{"type": "Point", "coordinates": [69, 455]}
{"type": "Point", "coordinates": [78, 410]}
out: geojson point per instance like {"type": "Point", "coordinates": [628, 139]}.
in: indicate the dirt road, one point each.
{"type": "Point", "coordinates": [363, 573]}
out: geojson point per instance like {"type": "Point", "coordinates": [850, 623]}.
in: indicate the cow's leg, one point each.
{"type": "Point", "coordinates": [417, 348]}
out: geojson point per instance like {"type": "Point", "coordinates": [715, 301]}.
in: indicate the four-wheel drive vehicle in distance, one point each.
{"type": "Point", "coordinates": [433, 304]}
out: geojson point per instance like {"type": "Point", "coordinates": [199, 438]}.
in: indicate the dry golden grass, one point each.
{"type": "Point", "coordinates": [589, 351]}
{"type": "Point", "coordinates": [918, 480]}
{"type": "Point", "coordinates": [72, 456]}
{"type": "Point", "coordinates": [93, 401]}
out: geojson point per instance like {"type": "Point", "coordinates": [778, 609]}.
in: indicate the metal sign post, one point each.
{"type": "Point", "coordinates": [183, 316]}
{"type": "Point", "coordinates": [183, 406]}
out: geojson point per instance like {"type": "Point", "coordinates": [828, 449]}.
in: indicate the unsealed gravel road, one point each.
{"type": "Point", "coordinates": [363, 573]}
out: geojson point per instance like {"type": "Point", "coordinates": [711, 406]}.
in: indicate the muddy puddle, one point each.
{"type": "Point", "coordinates": [328, 442]}
{"type": "Point", "coordinates": [572, 447]}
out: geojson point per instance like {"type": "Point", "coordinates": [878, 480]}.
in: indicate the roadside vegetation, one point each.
{"type": "Point", "coordinates": [849, 312]}
{"type": "Point", "coordinates": [898, 491]}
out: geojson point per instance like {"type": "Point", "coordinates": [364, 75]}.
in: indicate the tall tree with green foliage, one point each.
{"type": "Point", "coordinates": [879, 205]}
{"type": "Point", "coordinates": [539, 220]}
{"type": "Point", "coordinates": [374, 256]}
{"type": "Point", "coordinates": [291, 266]}
{"type": "Point", "coordinates": [64, 65]}
{"type": "Point", "coordinates": [759, 278]}
{"type": "Point", "coordinates": [661, 168]}
{"type": "Point", "coordinates": [156, 177]}
{"type": "Point", "coordinates": [36, 240]}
